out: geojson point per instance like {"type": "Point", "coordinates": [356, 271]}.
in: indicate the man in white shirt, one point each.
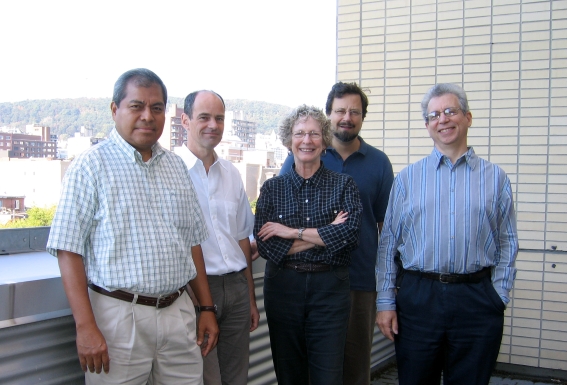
{"type": "Point", "coordinates": [227, 251]}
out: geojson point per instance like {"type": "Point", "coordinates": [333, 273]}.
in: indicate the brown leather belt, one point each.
{"type": "Point", "coordinates": [307, 267]}
{"type": "Point", "coordinates": [453, 278]}
{"type": "Point", "coordinates": [158, 302]}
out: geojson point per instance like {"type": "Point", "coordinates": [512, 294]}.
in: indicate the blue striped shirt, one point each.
{"type": "Point", "coordinates": [134, 222]}
{"type": "Point", "coordinates": [447, 218]}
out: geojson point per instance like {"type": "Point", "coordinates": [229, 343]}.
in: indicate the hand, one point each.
{"type": "Point", "coordinates": [207, 332]}
{"type": "Point", "coordinates": [273, 229]}
{"type": "Point", "coordinates": [92, 350]}
{"type": "Point", "coordinates": [387, 321]}
{"type": "Point", "coordinates": [341, 218]}
{"type": "Point", "coordinates": [254, 250]}
{"type": "Point", "coordinates": [254, 317]}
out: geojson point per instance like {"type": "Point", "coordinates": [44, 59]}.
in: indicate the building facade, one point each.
{"type": "Point", "coordinates": [25, 146]}
{"type": "Point", "coordinates": [511, 58]}
{"type": "Point", "coordinates": [38, 180]}
{"type": "Point", "coordinates": [237, 123]}
{"type": "Point", "coordinates": [174, 135]}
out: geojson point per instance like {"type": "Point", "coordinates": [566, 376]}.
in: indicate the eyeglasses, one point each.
{"type": "Point", "coordinates": [435, 115]}
{"type": "Point", "coordinates": [313, 135]}
{"type": "Point", "coordinates": [342, 112]}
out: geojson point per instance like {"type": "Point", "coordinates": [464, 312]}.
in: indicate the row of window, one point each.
{"type": "Point", "coordinates": [26, 149]}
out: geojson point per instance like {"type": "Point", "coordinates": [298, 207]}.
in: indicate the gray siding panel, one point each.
{"type": "Point", "coordinates": [40, 353]}
{"type": "Point", "coordinates": [44, 352]}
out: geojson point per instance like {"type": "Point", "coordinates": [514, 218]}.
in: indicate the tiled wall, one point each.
{"type": "Point", "coordinates": [511, 58]}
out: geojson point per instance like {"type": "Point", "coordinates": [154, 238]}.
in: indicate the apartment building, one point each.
{"type": "Point", "coordinates": [174, 135]}
{"type": "Point", "coordinates": [237, 123]}
{"type": "Point", "coordinates": [24, 146]}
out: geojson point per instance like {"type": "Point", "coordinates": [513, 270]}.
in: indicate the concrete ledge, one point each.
{"type": "Point", "coordinates": [531, 373]}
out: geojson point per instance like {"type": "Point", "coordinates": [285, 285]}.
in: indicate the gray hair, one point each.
{"type": "Point", "coordinates": [442, 89]}
{"type": "Point", "coordinates": [285, 129]}
{"type": "Point", "coordinates": [141, 77]}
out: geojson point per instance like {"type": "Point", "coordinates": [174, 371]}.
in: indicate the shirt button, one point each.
{"type": "Point", "coordinates": [280, 216]}
{"type": "Point", "coordinates": [335, 211]}
{"type": "Point", "coordinates": [308, 218]}
{"type": "Point", "coordinates": [307, 200]}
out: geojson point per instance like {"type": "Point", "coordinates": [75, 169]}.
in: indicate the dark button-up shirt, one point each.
{"type": "Point", "coordinates": [310, 203]}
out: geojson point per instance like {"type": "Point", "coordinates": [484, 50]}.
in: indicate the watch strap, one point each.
{"type": "Point", "coordinates": [208, 308]}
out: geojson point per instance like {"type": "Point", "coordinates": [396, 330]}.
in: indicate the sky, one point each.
{"type": "Point", "coordinates": [280, 52]}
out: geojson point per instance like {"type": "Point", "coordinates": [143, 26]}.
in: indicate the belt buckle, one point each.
{"type": "Point", "coordinates": [444, 280]}
{"type": "Point", "coordinates": [157, 301]}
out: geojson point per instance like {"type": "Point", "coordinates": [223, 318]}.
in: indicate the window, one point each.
{"type": "Point", "coordinates": [17, 204]}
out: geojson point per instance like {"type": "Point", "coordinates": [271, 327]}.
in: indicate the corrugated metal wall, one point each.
{"type": "Point", "coordinates": [261, 367]}
{"type": "Point", "coordinates": [40, 353]}
{"type": "Point", "coordinates": [44, 352]}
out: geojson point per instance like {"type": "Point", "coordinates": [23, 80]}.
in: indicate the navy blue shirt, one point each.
{"type": "Point", "coordinates": [373, 174]}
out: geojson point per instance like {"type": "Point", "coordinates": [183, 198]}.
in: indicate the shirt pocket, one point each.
{"type": "Point", "coordinates": [231, 210]}
{"type": "Point", "coordinates": [178, 207]}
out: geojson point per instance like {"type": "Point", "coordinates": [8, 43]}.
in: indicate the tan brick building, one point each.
{"type": "Point", "coordinates": [511, 58]}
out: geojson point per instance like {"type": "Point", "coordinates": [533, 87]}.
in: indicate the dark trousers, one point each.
{"type": "Point", "coordinates": [361, 324]}
{"type": "Point", "coordinates": [307, 317]}
{"type": "Point", "coordinates": [451, 328]}
{"type": "Point", "coordinates": [230, 366]}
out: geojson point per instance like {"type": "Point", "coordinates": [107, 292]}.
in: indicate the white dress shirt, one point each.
{"type": "Point", "coordinates": [226, 210]}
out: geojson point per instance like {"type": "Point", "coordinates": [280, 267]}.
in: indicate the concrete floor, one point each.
{"type": "Point", "coordinates": [389, 376]}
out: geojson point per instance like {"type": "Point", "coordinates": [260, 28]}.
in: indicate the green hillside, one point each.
{"type": "Point", "coordinates": [66, 116]}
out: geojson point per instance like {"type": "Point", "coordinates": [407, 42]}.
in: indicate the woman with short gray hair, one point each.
{"type": "Point", "coordinates": [307, 222]}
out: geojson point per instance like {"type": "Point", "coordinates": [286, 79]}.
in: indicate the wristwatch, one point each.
{"type": "Point", "coordinates": [300, 233]}
{"type": "Point", "coordinates": [208, 308]}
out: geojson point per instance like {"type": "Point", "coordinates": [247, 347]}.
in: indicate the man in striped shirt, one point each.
{"type": "Point", "coordinates": [447, 254]}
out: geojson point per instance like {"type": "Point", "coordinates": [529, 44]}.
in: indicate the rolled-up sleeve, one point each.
{"type": "Point", "coordinates": [274, 248]}
{"type": "Point", "coordinates": [344, 236]}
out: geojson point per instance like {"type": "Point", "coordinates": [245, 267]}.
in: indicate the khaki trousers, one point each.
{"type": "Point", "coordinates": [148, 345]}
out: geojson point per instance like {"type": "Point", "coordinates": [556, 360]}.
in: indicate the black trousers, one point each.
{"type": "Point", "coordinates": [451, 328]}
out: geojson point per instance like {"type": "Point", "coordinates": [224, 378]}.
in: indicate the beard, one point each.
{"type": "Point", "coordinates": [345, 136]}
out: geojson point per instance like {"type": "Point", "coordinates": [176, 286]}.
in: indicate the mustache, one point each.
{"type": "Point", "coordinates": [346, 124]}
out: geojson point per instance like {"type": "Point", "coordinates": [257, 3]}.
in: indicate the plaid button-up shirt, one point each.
{"type": "Point", "coordinates": [134, 222]}
{"type": "Point", "coordinates": [310, 203]}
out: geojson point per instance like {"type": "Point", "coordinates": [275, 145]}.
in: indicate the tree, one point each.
{"type": "Point", "coordinates": [37, 217]}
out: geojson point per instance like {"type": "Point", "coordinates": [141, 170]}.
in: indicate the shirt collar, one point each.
{"type": "Point", "coordinates": [298, 180]}
{"type": "Point", "coordinates": [131, 152]}
{"type": "Point", "coordinates": [437, 158]}
{"type": "Point", "coordinates": [363, 149]}
{"type": "Point", "coordinates": [190, 159]}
